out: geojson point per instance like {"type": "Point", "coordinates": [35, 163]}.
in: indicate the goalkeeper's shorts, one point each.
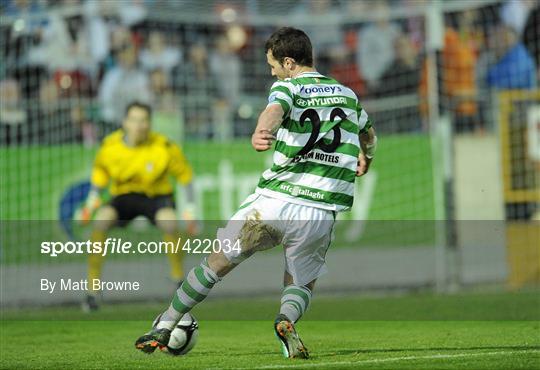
{"type": "Point", "coordinates": [304, 232]}
{"type": "Point", "coordinates": [131, 205]}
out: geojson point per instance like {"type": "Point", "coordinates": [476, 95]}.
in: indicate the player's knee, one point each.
{"type": "Point", "coordinates": [166, 220]}
{"type": "Point", "coordinates": [105, 218]}
{"type": "Point", "coordinates": [257, 235]}
{"type": "Point", "coordinates": [289, 280]}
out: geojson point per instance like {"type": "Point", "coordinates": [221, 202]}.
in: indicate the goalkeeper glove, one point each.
{"type": "Point", "coordinates": [92, 203]}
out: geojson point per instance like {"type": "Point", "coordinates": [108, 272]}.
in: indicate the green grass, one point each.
{"type": "Point", "coordinates": [231, 344]}
{"type": "Point", "coordinates": [472, 306]}
{"type": "Point", "coordinates": [466, 331]}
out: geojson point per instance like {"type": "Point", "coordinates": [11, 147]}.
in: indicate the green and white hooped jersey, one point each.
{"type": "Point", "coordinates": [317, 145]}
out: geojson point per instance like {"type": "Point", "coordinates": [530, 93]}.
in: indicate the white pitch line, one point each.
{"type": "Point", "coordinates": [391, 359]}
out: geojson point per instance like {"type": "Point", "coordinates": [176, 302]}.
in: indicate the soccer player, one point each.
{"type": "Point", "coordinates": [136, 164]}
{"type": "Point", "coordinates": [323, 140]}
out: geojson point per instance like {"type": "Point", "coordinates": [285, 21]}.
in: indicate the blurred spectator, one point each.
{"type": "Point", "coordinates": [415, 25]}
{"type": "Point", "coordinates": [488, 17]}
{"type": "Point", "coordinates": [459, 57]}
{"type": "Point", "coordinates": [56, 50]}
{"type": "Point", "coordinates": [195, 83]}
{"type": "Point", "coordinates": [57, 121]}
{"type": "Point", "coordinates": [50, 119]}
{"type": "Point", "coordinates": [49, 95]}
{"type": "Point", "coordinates": [167, 115]}
{"type": "Point", "coordinates": [531, 36]}
{"type": "Point", "coordinates": [28, 14]}
{"type": "Point", "coordinates": [344, 68]}
{"type": "Point", "coordinates": [375, 50]}
{"type": "Point", "coordinates": [63, 51]}
{"type": "Point", "coordinates": [160, 86]}
{"type": "Point", "coordinates": [12, 116]}
{"type": "Point", "coordinates": [403, 75]}
{"type": "Point", "coordinates": [96, 33]}
{"type": "Point", "coordinates": [11, 111]}
{"type": "Point", "coordinates": [514, 14]}
{"type": "Point", "coordinates": [225, 69]}
{"type": "Point", "coordinates": [326, 36]}
{"type": "Point", "coordinates": [85, 130]}
{"type": "Point", "coordinates": [120, 36]}
{"type": "Point", "coordinates": [25, 23]}
{"type": "Point", "coordinates": [131, 12]}
{"type": "Point", "coordinates": [122, 84]}
{"type": "Point", "coordinates": [159, 55]}
{"type": "Point", "coordinates": [514, 68]}
{"type": "Point", "coordinates": [198, 57]}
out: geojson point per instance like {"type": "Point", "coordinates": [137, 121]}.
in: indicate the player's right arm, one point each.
{"type": "Point", "coordinates": [279, 105]}
{"type": "Point", "coordinates": [269, 121]}
{"type": "Point", "coordinates": [99, 181]}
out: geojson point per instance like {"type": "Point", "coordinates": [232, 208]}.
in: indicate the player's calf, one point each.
{"type": "Point", "coordinates": [193, 290]}
{"type": "Point", "coordinates": [295, 301]}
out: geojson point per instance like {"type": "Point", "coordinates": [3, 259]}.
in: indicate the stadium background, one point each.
{"type": "Point", "coordinates": [450, 205]}
{"type": "Point", "coordinates": [436, 266]}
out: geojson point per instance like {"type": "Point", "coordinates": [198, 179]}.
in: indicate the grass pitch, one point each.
{"type": "Point", "coordinates": [499, 331]}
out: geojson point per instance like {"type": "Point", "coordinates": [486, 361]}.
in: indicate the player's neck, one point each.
{"type": "Point", "coordinates": [131, 142]}
{"type": "Point", "coordinates": [298, 71]}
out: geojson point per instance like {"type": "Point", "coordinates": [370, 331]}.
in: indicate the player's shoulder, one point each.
{"type": "Point", "coordinates": [346, 90]}
{"type": "Point", "coordinates": [158, 139]}
{"type": "Point", "coordinates": [113, 138]}
{"type": "Point", "coordinates": [287, 83]}
{"type": "Point", "coordinates": [161, 140]}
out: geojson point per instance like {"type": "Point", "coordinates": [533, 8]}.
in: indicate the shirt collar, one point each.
{"type": "Point", "coordinates": [309, 74]}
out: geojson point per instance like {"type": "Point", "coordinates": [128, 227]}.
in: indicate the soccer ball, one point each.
{"type": "Point", "coordinates": [183, 337]}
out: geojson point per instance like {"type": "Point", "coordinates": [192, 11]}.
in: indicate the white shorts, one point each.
{"type": "Point", "coordinates": [304, 232]}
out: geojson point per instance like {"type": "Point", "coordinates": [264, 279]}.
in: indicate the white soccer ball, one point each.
{"type": "Point", "coordinates": [183, 337]}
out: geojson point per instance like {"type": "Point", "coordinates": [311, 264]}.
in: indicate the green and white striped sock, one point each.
{"type": "Point", "coordinates": [194, 289]}
{"type": "Point", "coordinates": [295, 301]}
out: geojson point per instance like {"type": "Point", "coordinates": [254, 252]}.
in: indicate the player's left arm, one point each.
{"type": "Point", "coordinates": [368, 144]}
{"type": "Point", "coordinates": [99, 181]}
{"type": "Point", "coordinates": [180, 168]}
{"type": "Point", "coordinates": [368, 141]}
{"type": "Point", "coordinates": [268, 123]}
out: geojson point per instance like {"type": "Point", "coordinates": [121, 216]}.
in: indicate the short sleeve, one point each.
{"type": "Point", "coordinates": [281, 93]}
{"type": "Point", "coordinates": [364, 123]}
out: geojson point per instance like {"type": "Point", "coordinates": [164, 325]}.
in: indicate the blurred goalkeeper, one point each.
{"type": "Point", "coordinates": [136, 164]}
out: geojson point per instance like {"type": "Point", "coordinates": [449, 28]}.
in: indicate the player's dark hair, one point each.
{"type": "Point", "coordinates": [293, 43]}
{"type": "Point", "coordinates": [138, 104]}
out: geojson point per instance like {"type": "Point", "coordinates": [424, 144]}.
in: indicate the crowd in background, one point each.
{"type": "Point", "coordinates": [67, 76]}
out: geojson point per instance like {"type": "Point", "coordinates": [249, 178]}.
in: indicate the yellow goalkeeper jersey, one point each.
{"type": "Point", "coordinates": [145, 168]}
